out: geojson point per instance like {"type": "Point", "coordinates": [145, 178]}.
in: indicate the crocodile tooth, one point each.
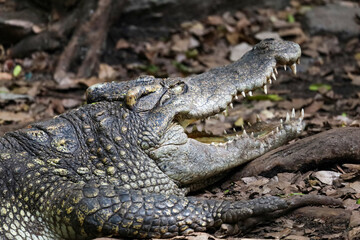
{"type": "Point", "coordinates": [272, 132]}
{"type": "Point", "coordinates": [281, 121]}
{"type": "Point", "coordinates": [302, 113]}
{"type": "Point", "coordinates": [293, 113]}
{"type": "Point", "coordinates": [275, 70]}
{"type": "Point", "coordinates": [236, 97]}
{"type": "Point", "coordinates": [298, 61]}
{"type": "Point", "coordinates": [252, 134]}
{"type": "Point", "coordinates": [244, 133]}
{"type": "Point", "coordinates": [234, 129]}
{"type": "Point", "coordinates": [250, 93]}
{"type": "Point", "coordinates": [225, 132]}
{"type": "Point", "coordinates": [231, 105]}
{"type": "Point", "coordinates": [287, 117]}
{"type": "Point", "coordinates": [258, 119]}
{"type": "Point", "coordinates": [265, 89]}
{"type": "Point", "coordinates": [273, 76]}
{"type": "Point", "coordinates": [237, 135]}
{"type": "Point", "coordinates": [243, 93]}
{"type": "Point", "coordinates": [293, 68]}
{"type": "Point", "coordinates": [277, 129]}
{"type": "Point", "coordinates": [269, 80]}
{"type": "Point", "coordinates": [285, 67]}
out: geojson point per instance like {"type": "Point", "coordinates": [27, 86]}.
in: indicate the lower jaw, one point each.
{"type": "Point", "coordinates": [259, 129]}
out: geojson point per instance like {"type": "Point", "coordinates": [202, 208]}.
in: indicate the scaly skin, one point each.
{"type": "Point", "coordinates": [121, 166]}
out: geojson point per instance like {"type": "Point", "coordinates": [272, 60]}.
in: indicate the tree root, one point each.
{"type": "Point", "coordinates": [333, 146]}
{"type": "Point", "coordinates": [88, 23]}
{"type": "Point", "coordinates": [89, 36]}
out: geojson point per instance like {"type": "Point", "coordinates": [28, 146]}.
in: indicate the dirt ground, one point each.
{"type": "Point", "coordinates": [327, 87]}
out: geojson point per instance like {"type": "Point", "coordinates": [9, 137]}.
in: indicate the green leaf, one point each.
{"type": "Point", "coordinates": [151, 69]}
{"type": "Point", "coordinates": [344, 114]}
{"type": "Point", "coordinates": [226, 191]}
{"type": "Point", "coordinates": [358, 201]}
{"type": "Point", "coordinates": [317, 86]}
{"type": "Point", "coordinates": [17, 70]}
{"type": "Point", "coordinates": [192, 53]}
{"type": "Point", "coordinates": [291, 18]}
{"type": "Point", "coordinates": [182, 67]}
{"type": "Point", "coordinates": [296, 194]}
{"type": "Point", "coordinates": [271, 97]}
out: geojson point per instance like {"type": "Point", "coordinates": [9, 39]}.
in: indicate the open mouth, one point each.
{"type": "Point", "coordinates": [196, 128]}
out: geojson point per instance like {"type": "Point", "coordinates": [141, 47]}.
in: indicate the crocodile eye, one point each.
{"type": "Point", "coordinates": [178, 89]}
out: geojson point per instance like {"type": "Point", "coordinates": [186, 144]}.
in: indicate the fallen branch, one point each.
{"type": "Point", "coordinates": [338, 145]}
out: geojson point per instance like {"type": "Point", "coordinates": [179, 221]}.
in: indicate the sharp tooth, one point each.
{"type": "Point", "coordinates": [217, 116]}
{"type": "Point", "coordinates": [208, 118]}
{"type": "Point", "coordinates": [265, 89]}
{"type": "Point", "coordinates": [250, 93]}
{"type": "Point", "coordinates": [224, 113]}
{"type": "Point", "coordinates": [293, 68]}
{"type": "Point", "coordinates": [258, 119]}
{"type": "Point", "coordinates": [275, 70]}
{"type": "Point", "coordinates": [252, 134]}
{"type": "Point", "coordinates": [243, 93]}
{"type": "Point", "coordinates": [244, 133]}
{"type": "Point", "coordinates": [281, 121]}
{"type": "Point", "coordinates": [236, 97]}
{"type": "Point", "coordinates": [285, 67]}
{"type": "Point", "coordinates": [237, 135]}
{"type": "Point", "coordinates": [194, 128]}
{"type": "Point", "coordinates": [298, 61]}
{"type": "Point", "coordinates": [273, 76]}
{"type": "Point", "coordinates": [269, 80]}
{"type": "Point", "coordinates": [287, 117]}
{"type": "Point", "coordinates": [225, 132]}
{"type": "Point", "coordinates": [293, 113]}
{"type": "Point", "coordinates": [277, 129]}
{"type": "Point", "coordinates": [302, 113]}
{"type": "Point", "coordinates": [231, 105]}
{"type": "Point", "coordinates": [234, 129]}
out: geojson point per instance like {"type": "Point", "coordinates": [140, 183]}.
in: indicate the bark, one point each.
{"type": "Point", "coordinates": [335, 146]}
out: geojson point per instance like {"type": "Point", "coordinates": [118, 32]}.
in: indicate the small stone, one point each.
{"type": "Point", "coordinates": [326, 19]}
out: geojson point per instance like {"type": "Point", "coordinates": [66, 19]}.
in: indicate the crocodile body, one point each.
{"type": "Point", "coordinates": [122, 165]}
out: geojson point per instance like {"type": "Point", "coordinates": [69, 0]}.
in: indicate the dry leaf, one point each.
{"type": "Point", "coordinates": [355, 79]}
{"type": "Point", "coordinates": [214, 20]}
{"type": "Point", "coordinates": [180, 44]}
{"type": "Point", "coordinates": [106, 72]}
{"type": "Point", "coordinates": [5, 76]}
{"type": "Point", "coordinates": [16, 117]}
{"type": "Point", "coordinates": [122, 43]}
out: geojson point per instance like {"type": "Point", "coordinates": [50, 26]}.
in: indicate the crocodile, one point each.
{"type": "Point", "coordinates": [122, 164]}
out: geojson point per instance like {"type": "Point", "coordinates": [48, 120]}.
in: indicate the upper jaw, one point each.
{"type": "Point", "coordinates": [253, 71]}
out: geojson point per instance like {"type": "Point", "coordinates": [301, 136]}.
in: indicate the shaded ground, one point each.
{"type": "Point", "coordinates": [327, 86]}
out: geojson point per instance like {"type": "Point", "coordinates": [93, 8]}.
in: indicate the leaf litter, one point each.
{"type": "Point", "coordinates": [327, 87]}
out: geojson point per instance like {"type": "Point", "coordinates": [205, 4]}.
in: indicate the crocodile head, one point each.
{"type": "Point", "coordinates": [167, 106]}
